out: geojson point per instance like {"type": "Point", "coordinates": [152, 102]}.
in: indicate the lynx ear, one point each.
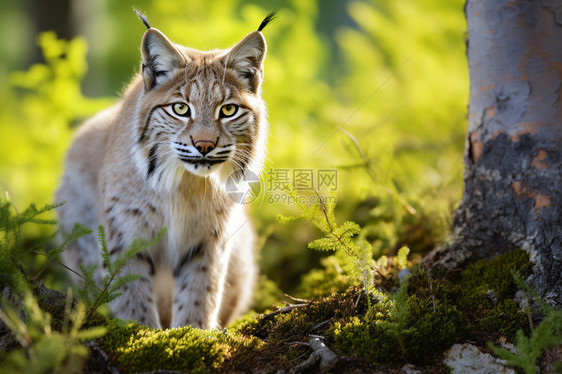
{"type": "Point", "coordinates": [159, 58]}
{"type": "Point", "coordinates": [246, 59]}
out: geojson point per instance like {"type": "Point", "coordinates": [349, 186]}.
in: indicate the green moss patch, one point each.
{"type": "Point", "coordinates": [138, 348]}
{"type": "Point", "coordinates": [416, 338]}
{"type": "Point", "coordinates": [301, 321]}
{"type": "Point", "coordinates": [487, 290]}
{"type": "Point", "coordinates": [484, 293]}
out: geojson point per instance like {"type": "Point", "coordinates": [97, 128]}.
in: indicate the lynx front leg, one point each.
{"type": "Point", "coordinates": [198, 287]}
{"type": "Point", "coordinates": [137, 299]}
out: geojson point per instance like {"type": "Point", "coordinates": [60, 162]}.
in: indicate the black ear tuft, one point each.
{"type": "Point", "coordinates": [270, 17]}
{"type": "Point", "coordinates": [142, 17]}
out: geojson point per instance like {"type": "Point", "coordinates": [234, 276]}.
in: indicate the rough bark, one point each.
{"type": "Point", "coordinates": [513, 163]}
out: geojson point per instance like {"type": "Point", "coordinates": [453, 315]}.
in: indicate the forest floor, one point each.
{"type": "Point", "coordinates": [405, 326]}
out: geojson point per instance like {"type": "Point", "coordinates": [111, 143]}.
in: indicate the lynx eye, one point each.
{"type": "Point", "coordinates": [181, 109]}
{"type": "Point", "coordinates": [228, 110]}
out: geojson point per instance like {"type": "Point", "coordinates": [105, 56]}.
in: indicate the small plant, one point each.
{"type": "Point", "coordinates": [401, 259]}
{"type": "Point", "coordinates": [43, 348]}
{"type": "Point", "coordinates": [51, 342]}
{"type": "Point", "coordinates": [547, 334]}
{"type": "Point", "coordinates": [341, 238]}
{"type": "Point", "coordinates": [112, 283]}
{"type": "Point", "coordinates": [400, 314]}
{"type": "Point", "coordinates": [14, 253]}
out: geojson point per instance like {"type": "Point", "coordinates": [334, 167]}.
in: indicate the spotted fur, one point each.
{"type": "Point", "coordinates": [149, 162]}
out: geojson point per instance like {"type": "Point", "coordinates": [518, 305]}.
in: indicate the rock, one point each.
{"type": "Point", "coordinates": [521, 299]}
{"type": "Point", "coordinates": [409, 369]}
{"type": "Point", "coordinates": [403, 274]}
{"type": "Point", "coordinates": [492, 296]}
{"type": "Point", "coordinates": [467, 358]}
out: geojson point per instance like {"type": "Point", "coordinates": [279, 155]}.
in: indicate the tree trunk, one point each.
{"type": "Point", "coordinates": [53, 15]}
{"type": "Point", "coordinates": [513, 163]}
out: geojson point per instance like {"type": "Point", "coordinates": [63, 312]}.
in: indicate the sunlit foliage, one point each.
{"type": "Point", "coordinates": [380, 97]}
{"type": "Point", "coordinates": [37, 111]}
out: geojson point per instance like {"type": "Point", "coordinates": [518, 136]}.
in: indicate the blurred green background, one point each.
{"type": "Point", "coordinates": [376, 89]}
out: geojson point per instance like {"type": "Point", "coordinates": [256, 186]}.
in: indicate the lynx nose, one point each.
{"type": "Point", "coordinates": [204, 146]}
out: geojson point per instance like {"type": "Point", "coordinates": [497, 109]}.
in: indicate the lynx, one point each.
{"type": "Point", "coordinates": [159, 159]}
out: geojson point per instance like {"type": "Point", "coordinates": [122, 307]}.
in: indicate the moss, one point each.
{"type": "Point", "coordinates": [504, 319]}
{"type": "Point", "coordinates": [484, 293]}
{"type": "Point", "coordinates": [463, 310]}
{"type": "Point", "coordinates": [380, 339]}
{"type": "Point", "coordinates": [283, 331]}
{"type": "Point", "coordinates": [387, 330]}
{"type": "Point", "coordinates": [243, 320]}
{"type": "Point", "coordinates": [139, 348]}
{"type": "Point", "coordinates": [300, 321]}
{"type": "Point", "coordinates": [373, 340]}
{"type": "Point", "coordinates": [429, 332]}
{"type": "Point", "coordinates": [485, 278]}
{"type": "Point", "coordinates": [493, 275]}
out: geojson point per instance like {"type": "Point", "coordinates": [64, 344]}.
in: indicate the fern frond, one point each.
{"type": "Point", "coordinates": [106, 257]}
{"type": "Point", "coordinates": [288, 219]}
{"type": "Point", "coordinates": [343, 238]}
{"type": "Point", "coordinates": [401, 258]}
{"type": "Point", "coordinates": [95, 297]}
{"type": "Point", "coordinates": [324, 244]}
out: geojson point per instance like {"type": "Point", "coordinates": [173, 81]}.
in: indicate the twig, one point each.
{"type": "Point", "coordinates": [22, 270]}
{"type": "Point", "coordinates": [316, 336]}
{"type": "Point", "coordinates": [39, 273]}
{"type": "Point", "coordinates": [328, 359]}
{"type": "Point", "coordinates": [381, 274]}
{"type": "Point", "coordinates": [322, 357]}
{"type": "Point", "coordinates": [321, 201]}
{"type": "Point", "coordinates": [297, 299]}
{"type": "Point", "coordinates": [95, 305]}
{"type": "Point", "coordinates": [307, 366]}
{"type": "Point", "coordinates": [320, 324]}
{"type": "Point", "coordinates": [432, 295]}
{"type": "Point", "coordinates": [299, 343]}
{"type": "Point", "coordinates": [61, 264]}
{"type": "Point", "coordinates": [358, 298]}
{"type": "Point", "coordinates": [285, 309]}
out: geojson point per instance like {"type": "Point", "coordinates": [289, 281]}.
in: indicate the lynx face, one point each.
{"type": "Point", "coordinates": [199, 112]}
